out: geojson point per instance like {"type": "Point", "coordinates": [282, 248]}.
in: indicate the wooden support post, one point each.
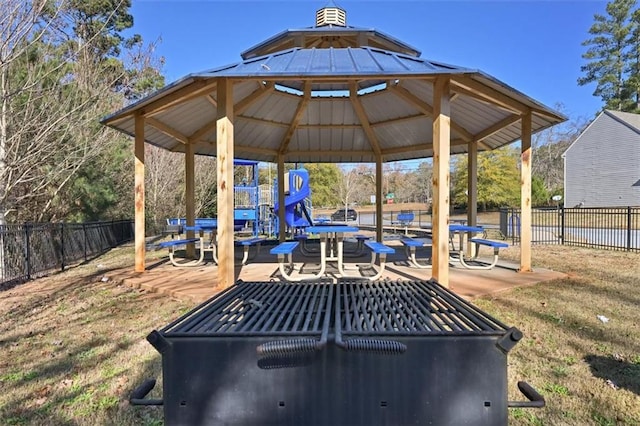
{"type": "Point", "coordinates": [472, 188]}
{"type": "Point", "coordinates": [225, 152]}
{"type": "Point", "coordinates": [379, 199]}
{"type": "Point", "coordinates": [525, 194]}
{"type": "Point", "coordinates": [282, 226]}
{"type": "Point", "coordinates": [189, 170]}
{"type": "Point", "coordinates": [139, 195]}
{"type": "Point", "coordinates": [441, 178]}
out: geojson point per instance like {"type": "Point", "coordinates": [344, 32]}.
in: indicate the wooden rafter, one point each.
{"type": "Point", "coordinates": [265, 122]}
{"type": "Point", "coordinates": [398, 120]}
{"type": "Point", "coordinates": [302, 106]}
{"type": "Point", "coordinates": [492, 130]}
{"type": "Point", "coordinates": [427, 109]}
{"type": "Point", "coordinates": [212, 100]}
{"type": "Point", "coordinates": [193, 90]}
{"type": "Point", "coordinates": [253, 97]}
{"type": "Point", "coordinates": [468, 86]}
{"type": "Point", "coordinates": [166, 129]}
{"type": "Point", "coordinates": [362, 116]}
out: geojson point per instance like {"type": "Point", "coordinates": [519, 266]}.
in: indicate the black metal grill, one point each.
{"type": "Point", "coordinates": [409, 308]}
{"type": "Point", "coordinates": [265, 308]}
{"type": "Point", "coordinates": [355, 352]}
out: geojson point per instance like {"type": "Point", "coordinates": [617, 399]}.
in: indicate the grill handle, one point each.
{"type": "Point", "coordinates": [383, 347]}
{"type": "Point", "coordinates": [280, 348]}
{"type": "Point", "coordinates": [137, 396]}
{"type": "Point", "coordinates": [535, 399]}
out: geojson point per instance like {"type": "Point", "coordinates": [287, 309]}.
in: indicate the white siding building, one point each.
{"type": "Point", "coordinates": [602, 166]}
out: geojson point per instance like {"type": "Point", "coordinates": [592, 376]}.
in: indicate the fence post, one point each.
{"type": "Point", "coordinates": [62, 244]}
{"type": "Point", "coordinates": [562, 214]}
{"type": "Point", "coordinates": [27, 253]}
{"type": "Point", "coordinates": [628, 228]}
{"type": "Point", "coordinates": [84, 237]}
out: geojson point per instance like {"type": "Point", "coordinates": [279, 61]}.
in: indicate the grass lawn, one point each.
{"type": "Point", "coordinates": [73, 344]}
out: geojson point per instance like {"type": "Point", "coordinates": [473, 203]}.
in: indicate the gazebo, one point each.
{"type": "Point", "coordinates": [334, 93]}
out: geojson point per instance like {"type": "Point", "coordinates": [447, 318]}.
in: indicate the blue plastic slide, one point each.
{"type": "Point", "coordinates": [295, 212]}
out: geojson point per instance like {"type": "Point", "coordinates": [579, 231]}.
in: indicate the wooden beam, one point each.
{"type": "Point", "coordinates": [428, 110]}
{"type": "Point", "coordinates": [441, 181]}
{"type": "Point", "coordinates": [329, 126]}
{"type": "Point", "coordinates": [264, 122]}
{"type": "Point", "coordinates": [495, 128]}
{"type": "Point", "coordinates": [256, 150]}
{"type": "Point", "coordinates": [362, 116]}
{"type": "Point", "coordinates": [194, 90]}
{"type": "Point", "coordinates": [225, 153]}
{"type": "Point", "coordinates": [203, 131]}
{"type": "Point", "coordinates": [297, 116]}
{"type": "Point", "coordinates": [212, 100]}
{"type": "Point", "coordinates": [399, 120]}
{"type": "Point", "coordinates": [420, 147]}
{"type": "Point", "coordinates": [166, 129]}
{"type": "Point", "coordinates": [525, 194]}
{"type": "Point", "coordinates": [139, 233]}
{"type": "Point", "coordinates": [254, 96]}
{"type": "Point", "coordinates": [324, 153]}
{"type": "Point", "coordinates": [495, 97]}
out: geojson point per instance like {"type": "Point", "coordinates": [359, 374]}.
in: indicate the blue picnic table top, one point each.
{"type": "Point", "coordinates": [330, 228]}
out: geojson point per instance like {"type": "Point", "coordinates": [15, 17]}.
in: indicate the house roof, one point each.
{"type": "Point", "coordinates": [629, 119]}
{"type": "Point", "coordinates": [334, 105]}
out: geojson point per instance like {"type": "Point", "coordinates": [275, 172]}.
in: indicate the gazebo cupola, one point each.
{"type": "Point", "coordinates": [331, 30]}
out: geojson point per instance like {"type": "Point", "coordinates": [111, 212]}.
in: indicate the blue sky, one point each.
{"type": "Point", "coordinates": [533, 46]}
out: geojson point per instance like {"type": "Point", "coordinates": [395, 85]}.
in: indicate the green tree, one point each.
{"type": "Point", "coordinates": [607, 55]}
{"type": "Point", "coordinates": [498, 179]}
{"type": "Point", "coordinates": [324, 180]}
{"type": "Point", "coordinates": [539, 194]}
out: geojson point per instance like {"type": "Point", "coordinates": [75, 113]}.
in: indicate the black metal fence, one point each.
{"type": "Point", "coordinates": [33, 250]}
{"type": "Point", "coordinates": [613, 228]}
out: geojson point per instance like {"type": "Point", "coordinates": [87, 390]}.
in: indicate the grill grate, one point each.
{"type": "Point", "coordinates": [260, 308]}
{"type": "Point", "coordinates": [408, 308]}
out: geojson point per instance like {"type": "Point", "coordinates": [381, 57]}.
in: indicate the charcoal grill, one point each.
{"type": "Point", "coordinates": [351, 353]}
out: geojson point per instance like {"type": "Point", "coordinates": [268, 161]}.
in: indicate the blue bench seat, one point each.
{"type": "Point", "coordinates": [380, 251]}
{"type": "Point", "coordinates": [173, 244]}
{"type": "Point", "coordinates": [496, 245]}
{"type": "Point", "coordinates": [411, 245]}
{"type": "Point", "coordinates": [247, 244]}
{"type": "Point", "coordinates": [286, 249]}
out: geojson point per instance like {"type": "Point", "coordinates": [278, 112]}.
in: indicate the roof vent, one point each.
{"type": "Point", "coordinates": [331, 16]}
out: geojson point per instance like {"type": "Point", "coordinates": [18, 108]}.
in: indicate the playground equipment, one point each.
{"type": "Point", "coordinates": [297, 201]}
{"type": "Point", "coordinates": [256, 207]}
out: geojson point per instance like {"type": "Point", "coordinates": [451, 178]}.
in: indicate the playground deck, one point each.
{"type": "Point", "coordinates": [200, 283]}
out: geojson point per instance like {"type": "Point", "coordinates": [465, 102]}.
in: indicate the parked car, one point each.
{"type": "Point", "coordinates": [338, 215]}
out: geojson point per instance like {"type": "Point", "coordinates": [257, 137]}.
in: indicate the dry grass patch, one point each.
{"type": "Point", "coordinates": [73, 345]}
{"type": "Point", "coordinates": [588, 370]}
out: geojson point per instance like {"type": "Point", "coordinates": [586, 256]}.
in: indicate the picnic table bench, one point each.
{"type": "Point", "coordinates": [496, 245]}
{"type": "Point", "coordinates": [173, 244]}
{"type": "Point", "coordinates": [403, 219]}
{"type": "Point", "coordinates": [411, 245]}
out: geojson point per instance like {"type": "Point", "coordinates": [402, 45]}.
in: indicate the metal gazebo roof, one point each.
{"type": "Point", "coordinates": [334, 105]}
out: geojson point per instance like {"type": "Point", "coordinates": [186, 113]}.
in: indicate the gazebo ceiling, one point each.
{"type": "Point", "coordinates": [336, 96]}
